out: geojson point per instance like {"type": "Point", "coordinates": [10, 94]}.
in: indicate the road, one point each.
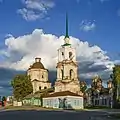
{"type": "Point", "coordinates": [53, 115]}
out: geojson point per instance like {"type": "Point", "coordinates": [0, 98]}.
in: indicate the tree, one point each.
{"type": "Point", "coordinates": [22, 86]}
{"type": "Point", "coordinates": [116, 83]}
{"type": "Point", "coordinates": [3, 98]}
{"type": "Point", "coordinates": [83, 86]}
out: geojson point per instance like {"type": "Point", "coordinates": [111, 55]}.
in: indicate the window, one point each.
{"type": "Point", "coordinates": [42, 76]}
{"type": "Point", "coordinates": [70, 54]}
{"type": "Point", "coordinates": [47, 102]}
{"type": "Point", "coordinates": [40, 88]}
{"type": "Point", "coordinates": [62, 73]}
{"type": "Point", "coordinates": [105, 101]}
{"type": "Point", "coordinates": [75, 102]}
{"type": "Point", "coordinates": [71, 73]}
{"type": "Point", "coordinates": [62, 53]}
{"type": "Point", "coordinates": [109, 101]}
{"type": "Point", "coordinates": [45, 87]}
{"type": "Point", "coordinates": [102, 101]}
{"type": "Point", "coordinates": [95, 102]}
{"type": "Point", "coordinates": [50, 102]}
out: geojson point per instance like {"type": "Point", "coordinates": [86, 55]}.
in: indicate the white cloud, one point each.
{"type": "Point", "coordinates": [35, 9]}
{"type": "Point", "coordinates": [8, 35]}
{"type": "Point", "coordinates": [29, 15]}
{"type": "Point", "coordinates": [87, 25]}
{"type": "Point", "coordinates": [21, 51]}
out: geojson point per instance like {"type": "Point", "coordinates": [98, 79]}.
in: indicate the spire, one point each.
{"type": "Point", "coordinates": [66, 39]}
{"type": "Point", "coordinates": [66, 35]}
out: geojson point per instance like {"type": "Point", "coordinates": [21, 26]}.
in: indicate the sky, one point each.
{"type": "Point", "coordinates": [36, 28]}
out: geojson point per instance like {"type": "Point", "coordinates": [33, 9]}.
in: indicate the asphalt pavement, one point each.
{"type": "Point", "coordinates": [53, 115]}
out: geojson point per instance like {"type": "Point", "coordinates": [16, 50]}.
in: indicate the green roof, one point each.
{"type": "Point", "coordinates": [38, 94]}
{"type": "Point", "coordinates": [66, 44]}
{"type": "Point", "coordinates": [29, 96]}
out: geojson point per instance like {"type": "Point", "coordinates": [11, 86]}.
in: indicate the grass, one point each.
{"type": "Point", "coordinates": [97, 107]}
{"type": "Point", "coordinates": [24, 108]}
{"type": "Point", "coordinates": [34, 108]}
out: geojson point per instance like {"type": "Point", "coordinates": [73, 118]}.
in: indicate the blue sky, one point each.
{"type": "Point", "coordinates": [107, 21]}
{"type": "Point", "coordinates": [94, 21]}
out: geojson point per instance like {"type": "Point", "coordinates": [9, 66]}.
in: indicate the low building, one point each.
{"type": "Point", "coordinates": [9, 101]}
{"type": "Point", "coordinates": [32, 99]}
{"type": "Point", "coordinates": [16, 103]}
{"type": "Point", "coordinates": [35, 99]}
{"type": "Point", "coordinates": [63, 100]}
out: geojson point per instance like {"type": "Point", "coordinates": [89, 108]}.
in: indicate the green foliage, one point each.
{"type": "Point", "coordinates": [83, 87]}
{"type": "Point", "coordinates": [3, 98]}
{"type": "Point", "coordinates": [116, 82]}
{"type": "Point", "coordinates": [22, 86]}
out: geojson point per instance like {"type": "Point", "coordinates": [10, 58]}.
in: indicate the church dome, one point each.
{"type": "Point", "coordinates": [37, 64]}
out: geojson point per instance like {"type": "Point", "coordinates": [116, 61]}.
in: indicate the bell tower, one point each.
{"type": "Point", "coordinates": [67, 68]}
{"type": "Point", "coordinates": [66, 52]}
{"type": "Point", "coordinates": [67, 65]}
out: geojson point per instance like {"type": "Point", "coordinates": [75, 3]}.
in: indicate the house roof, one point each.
{"type": "Point", "coordinates": [37, 65]}
{"type": "Point", "coordinates": [63, 93]}
{"type": "Point", "coordinates": [29, 96]}
{"type": "Point", "coordinates": [38, 95]}
{"type": "Point", "coordinates": [104, 91]}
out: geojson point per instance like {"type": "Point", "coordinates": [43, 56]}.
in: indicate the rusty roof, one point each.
{"type": "Point", "coordinates": [37, 65]}
{"type": "Point", "coordinates": [62, 93]}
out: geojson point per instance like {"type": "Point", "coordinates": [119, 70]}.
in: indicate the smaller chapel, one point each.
{"type": "Point", "coordinates": [39, 76]}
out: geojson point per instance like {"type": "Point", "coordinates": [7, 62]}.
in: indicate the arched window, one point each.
{"type": "Point", "coordinates": [62, 74]}
{"type": "Point", "coordinates": [71, 74]}
{"type": "Point", "coordinates": [70, 54]}
{"type": "Point", "coordinates": [45, 87]}
{"type": "Point", "coordinates": [62, 53]}
{"type": "Point", "coordinates": [42, 76]}
{"type": "Point", "coordinates": [39, 87]}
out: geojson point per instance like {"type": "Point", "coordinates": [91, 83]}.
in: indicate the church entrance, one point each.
{"type": "Point", "coordinates": [62, 103]}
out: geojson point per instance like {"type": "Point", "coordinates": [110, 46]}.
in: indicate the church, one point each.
{"type": "Point", "coordinates": [66, 94]}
